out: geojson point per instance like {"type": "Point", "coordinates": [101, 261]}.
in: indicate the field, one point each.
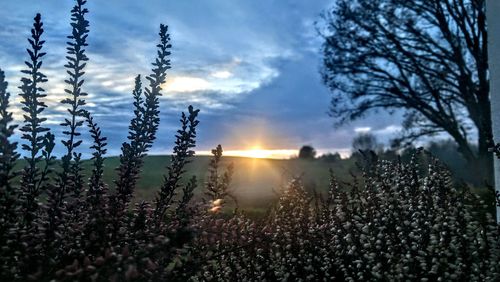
{"type": "Point", "coordinates": [254, 181]}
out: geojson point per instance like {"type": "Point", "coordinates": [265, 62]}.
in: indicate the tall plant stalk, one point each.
{"type": "Point", "coordinates": [33, 106]}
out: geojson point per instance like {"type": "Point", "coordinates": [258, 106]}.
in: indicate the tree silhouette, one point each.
{"type": "Point", "coordinates": [427, 57]}
{"type": "Point", "coordinates": [365, 142]}
{"type": "Point", "coordinates": [307, 152]}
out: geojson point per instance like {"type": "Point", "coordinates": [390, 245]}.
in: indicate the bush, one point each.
{"type": "Point", "coordinates": [399, 222]}
{"type": "Point", "coordinates": [58, 224]}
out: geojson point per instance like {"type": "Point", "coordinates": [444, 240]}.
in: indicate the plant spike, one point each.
{"type": "Point", "coordinates": [8, 153]}
{"type": "Point", "coordinates": [8, 158]}
{"type": "Point", "coordinates": [142, 132]}
{"type": "Point", "coordinates": [184, 143]}
{"type": "Point", "coordinates": [31, 93]}
{"type": "Point", "coordinates": [76, 63]}
{"type": "Point", "coordinates": [156, 79]}
{"type": "Point", "coordinates": [70, 178]}
{"type": "Point", "coordinates": [217, 186]}
{"type": "Point", "coordinates": [144, 125]}
{"type": "Point", "coordinates": [96, 182]}
{"type": "Point", "coordinates": [132, 152]}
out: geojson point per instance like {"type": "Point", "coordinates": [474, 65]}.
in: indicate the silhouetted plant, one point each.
{"type": "Point", "coordinates": [72, 235]}
{"type": "Point", "coordinates": [183, 151]}
{"type": "Point", "coordinates": [96, 183]}
{"type": "Point", "coordinates": [8, 153]}
{"type": "Point", "coordinates": [76, 63]}
{"type": "Point", "coordinates": [69, 177]}
{"type": "Point", "coordinates": [218, 186]}
{"type": "Point", "coordinates": [143, 127]}
{"type": "Point", "coordinates": [142, 132]}
{"type": "Point", "coordinates": [8, 190]}
{"type": "Point", "coordinates": [132, 153]}
{"type": "Point", "coordinates": [32, 93]}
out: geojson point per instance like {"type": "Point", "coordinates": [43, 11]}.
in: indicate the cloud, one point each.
{"type": "Point", "coordinates": [390, 129]}
{"type": "Point", "coordinates": [182, 84]}
{"type": "Point", "coordinates": [251, 66]}
{"type": "Point", "coordinates": [222, 74]}
{"type": "Point", "coordinates": [365, 129]}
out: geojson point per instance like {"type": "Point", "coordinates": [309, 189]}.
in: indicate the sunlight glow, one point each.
{"type": "Point", "coordinates": [258, 153]}
{"type": "Point", "coordinates": [185, 84]}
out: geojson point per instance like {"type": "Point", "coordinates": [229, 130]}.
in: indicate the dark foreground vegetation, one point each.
{"type": "Point", "coordinates": [398, 221]}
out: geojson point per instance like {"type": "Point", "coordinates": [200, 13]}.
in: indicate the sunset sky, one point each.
{"type": "Point", "coordinates": [252, 67]}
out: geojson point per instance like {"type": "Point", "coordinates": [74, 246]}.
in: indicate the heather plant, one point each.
{"type": "Point", "coordinates": [33, 178]}
{"type": "Point", "coordinates": [83, 231]}
{"type": "Point", "coordinates": [217, 186]}
{"type": "Point", "coordinates": [398, 221]}
{"type": "Point", "coordinates": [8, 149]}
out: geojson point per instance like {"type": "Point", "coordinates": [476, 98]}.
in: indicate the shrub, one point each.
{"type": "Point", "coordinates": [83, 231]}
{"type": "Point", "coordinates": [400, 221]}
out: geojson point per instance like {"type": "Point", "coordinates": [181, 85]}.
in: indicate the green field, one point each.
{"type": "Point", "coordinates": [254, 180]}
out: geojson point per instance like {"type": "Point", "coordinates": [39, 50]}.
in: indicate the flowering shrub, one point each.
{"type": "Point", "coordinates": [398, 221]}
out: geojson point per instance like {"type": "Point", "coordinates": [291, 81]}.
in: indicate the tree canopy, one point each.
{"type": "Point", "coordinates": [425, 57]}
{"type": "Point", "coordinates": [307, 152]}
{"type": "Point", "coordinates": [366, 142]}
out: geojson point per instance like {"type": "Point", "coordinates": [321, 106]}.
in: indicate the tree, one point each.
{"type": "Point", "coordinates": [426, 57]}
{"type": "Point", "coordinates": [365, 142]}
{"type": "Point", "coordinates": [307, 152]}
{"type": "Point", "coordinates": [331, 157]}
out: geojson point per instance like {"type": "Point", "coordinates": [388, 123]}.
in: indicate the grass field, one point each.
{"type": "Point", "coordinates": [254, 180]}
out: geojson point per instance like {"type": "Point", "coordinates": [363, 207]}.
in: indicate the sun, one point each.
{"type": "Point", "coordinates": [258, 153]}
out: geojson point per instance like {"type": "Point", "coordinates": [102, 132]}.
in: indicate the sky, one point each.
{"type": "Point", "coordinates": [250, 66]}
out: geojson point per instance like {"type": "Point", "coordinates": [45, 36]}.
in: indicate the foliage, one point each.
{"type": "Point", "coordinates": [366, 142]}
{"type": "Point", "coordinates": [82, 231]}
{"type": "Point", "coordinates": [329, 157]}
{"type": "Point", "coordinates": [400, 221]}
{"type": "Point", "coordinates": [307, 152]}
{"type": "Point", "coordinates": [31, 92]}
{"type": "Point", "coordinates": [218, 186]}
{"type": "Point", "coordinates": [427, 59]}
